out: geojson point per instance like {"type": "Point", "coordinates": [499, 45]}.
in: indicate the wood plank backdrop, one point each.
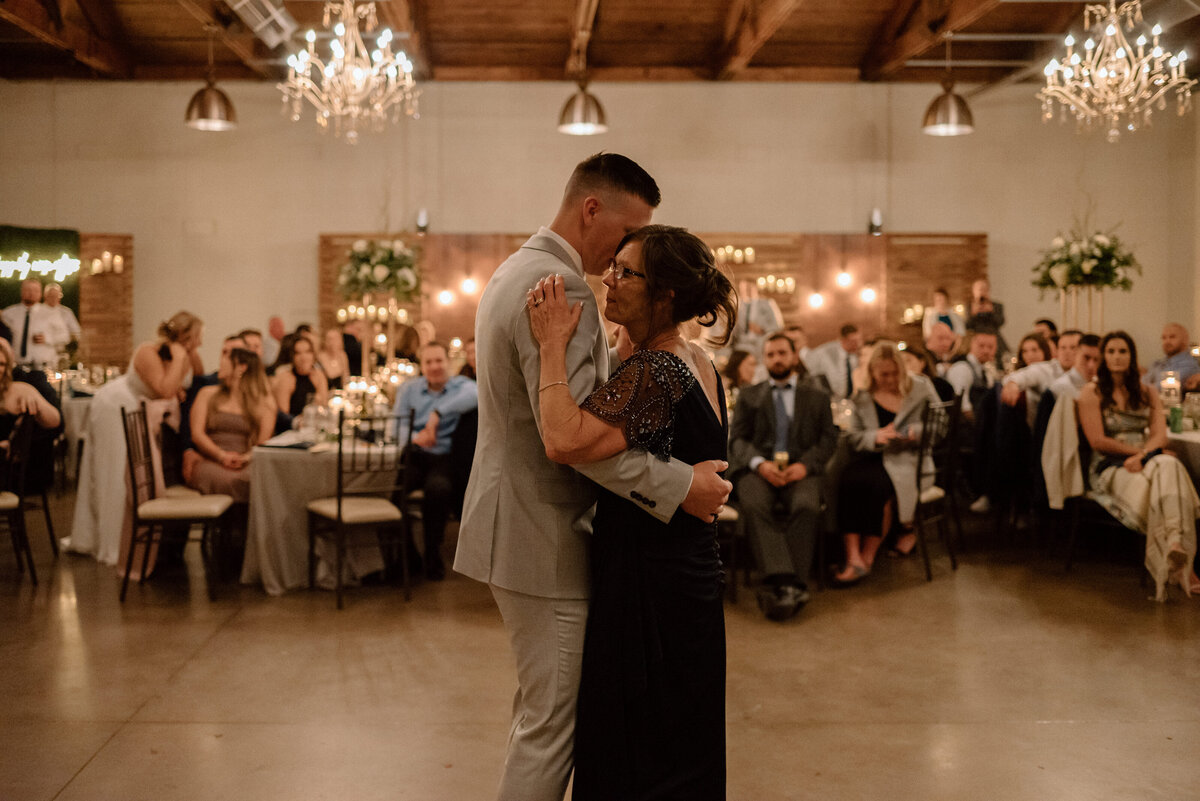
{"type": "Point", "coordinates": [903, 269]}
{"type": "Point", "coordinates": [106, 302]}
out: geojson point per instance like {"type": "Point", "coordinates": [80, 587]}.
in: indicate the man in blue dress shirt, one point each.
{"type": "Point", "coordinates": [438, 401]}
{"type": "Point", "coordinates": [1176, 356]}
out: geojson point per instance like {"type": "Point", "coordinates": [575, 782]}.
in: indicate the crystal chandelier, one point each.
{"type": "Point", "coordinates": [356, 87]}
{"type": "Point", "coordinates": [1112, 82]}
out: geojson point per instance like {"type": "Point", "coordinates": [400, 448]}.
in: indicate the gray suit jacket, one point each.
{"type": "Point", "coordinates": [525, 519]}
{"type": "Point", "coordinates": [812, 435]}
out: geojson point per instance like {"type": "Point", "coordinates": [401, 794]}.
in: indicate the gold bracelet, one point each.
{"type": "Point", "coordinates": [552, 384]}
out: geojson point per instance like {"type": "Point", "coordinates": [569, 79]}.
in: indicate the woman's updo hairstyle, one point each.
{"type": "Point", "coordinates": [180, 325]}
{"type": "Point", "coordinates": [677, 261]}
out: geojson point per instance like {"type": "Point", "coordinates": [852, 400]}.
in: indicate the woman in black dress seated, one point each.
{"type": "Point", "coordinates": [880, 484]}
{"type": "Point", "coordinates": [651, 715]}
{"type": "Point", "coordinates": [18, 398]}
{"type": "Point", "coordinates": [297, 381]}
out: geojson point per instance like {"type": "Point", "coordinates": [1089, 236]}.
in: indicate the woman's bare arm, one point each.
{"type": "Point", "coordinates": [571, 435]}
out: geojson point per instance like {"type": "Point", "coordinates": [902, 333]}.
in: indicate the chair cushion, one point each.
{"type": "Point", "coordinates": [357, 509]}
{"type": "Point", "coordinates": [180, 491]}
{"type": "Point", "coordinates": [932, 494]}
{"type": "Point", "coordinates": [8, 501]}
{"type": "Point", "coordinates": [198, 507]}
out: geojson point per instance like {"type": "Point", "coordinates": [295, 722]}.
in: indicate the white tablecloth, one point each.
{"type": "Point", "coordinates": [282, 482]}
{"type": "Point", "coordinates": [75, 415]}
{"type": "Point", "coordinates": [1187, 445]}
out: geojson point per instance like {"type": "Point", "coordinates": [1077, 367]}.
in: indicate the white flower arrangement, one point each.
{"type": "Point", "coordinates": [1099, 260]}
{"type": "Point", "coordinates": [385, 267]}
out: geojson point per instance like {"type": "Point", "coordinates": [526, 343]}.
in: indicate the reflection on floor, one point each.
{"type": "Point", "coordinates": [1005, 680]}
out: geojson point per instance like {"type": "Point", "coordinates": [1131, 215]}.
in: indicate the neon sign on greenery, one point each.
{"type": "Point", "coordinates": [61, 267]}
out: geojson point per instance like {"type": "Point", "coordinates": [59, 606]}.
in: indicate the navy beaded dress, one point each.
{"type": "Point", "coordinates": [651, 715]}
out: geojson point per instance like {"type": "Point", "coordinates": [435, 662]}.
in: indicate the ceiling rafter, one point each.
{"type": "Point", "coordinates": [916, 32]}
{"type": "Point", "coordinates": [756, 22]}
{"type": "Point", "coordinates": [581, 37]}
{"type": "Point", "coordinates": [84, 45]}
{"type": "Point", "coordinates": [400, 16]}
{"type": "Point", "coordinates": [244, 50]}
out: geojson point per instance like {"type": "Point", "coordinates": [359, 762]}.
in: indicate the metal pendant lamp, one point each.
{"type": "Point", "coordinates": [582, 115]}
{"type": "Point", "coordinates": [210, 109]}
{"type": "Point", "coordinates": [948, 114]}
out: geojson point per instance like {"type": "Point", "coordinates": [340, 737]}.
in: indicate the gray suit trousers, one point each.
{"type": "Point", "coordinates": [782, 546]}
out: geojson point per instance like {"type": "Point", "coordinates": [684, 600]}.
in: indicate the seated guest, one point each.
{"type": "Point", "coordinates": [758, 316]}
{"type": "Point", "coordinates": [158, 370]}
{"type": "Point", "coordinates": [287, 346]}
{"type": "Point", "coordinates": [796, 333]}
{"type": "Point", "coordinates": [1176, 356]}
{"type": "Point", "coordinates": [940, 344]}
{"type": "Point", "coordinates": [227, 420]}
{"type": "Point", "coordinates": [1037, 369]}
{"type": "Point", "coordinates": [468, 368]}
{"type": "Point", "coordinates": [788, 414]}
{"type": "Point", "coordinates": [837, 359]}
{"type": "Point", "coordinates": [1047, 329]}
{"type": "Point", "coordinates": [333, 361]}
{"type": "Point", "coordinates": [352, 343]}
{"type": "Point", "coordinates": [1087, 360]}
{"type": "Point", "coordinates": [297, 381]}
{"type": "Point", "coordinates": [1143, 487]}
{"type": "Point", "coordinates": [307, 331]}
{"type": "Point", "coordinates": [974, 374]}
{"type": "Point", "coordinates": [940, 312]}
{"type": "Point", "coordinates": [882, 478]}
{"type": "Point", "coordinates": [738, 373]}
{"type": "Point", "coordinates": [919, 362]}
{"type": "Point", "coordinates": [199, 382]}
{"type": "Point", "coordinates": [438, 401]}
{"type": "Point", "coordinates": [18, 397]}
{"type": "Point", "coordinates": [253, 339]}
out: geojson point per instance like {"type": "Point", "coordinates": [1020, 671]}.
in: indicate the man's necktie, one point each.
{"type": "Point", "coordinates": [849, 377]}
{"type": "Point", "coordinates": [782, 423]}
{"type": "Point", "coordinates": [25, 335]}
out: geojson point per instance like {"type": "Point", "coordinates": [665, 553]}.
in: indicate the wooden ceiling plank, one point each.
{"type": "Point", "coordinates": [917, 37]}
{"type": "Point", "coordinates": [398, 14]}
{"type": "Point", "coordinates": [85, 46]}
{"type": "Point", "coordinates": [581, 36]}
{"type": "Point", "coordinates": [204, 14]}
{"type": "Point", "coordinates": [757, 23]}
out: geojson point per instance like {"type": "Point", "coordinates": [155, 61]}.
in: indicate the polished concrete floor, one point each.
{"type": "Point", "coordinates": [1004, 680]}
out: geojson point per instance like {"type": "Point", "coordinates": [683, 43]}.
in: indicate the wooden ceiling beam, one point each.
{"type": "Point", "coordinates": [655, 74]}
{"type": "Point", "coordinates": [756, 22]}
{"type": "Point", "coordinates": [85, 46]}
{"type": "Point", "coordinates": [581, 37]}
{"type": "Point", "coordinates": [917, 33]}
{"type": "Point", "coordinates": [244, 50]}
{"type": "Point", "coordinates": [399, 15]}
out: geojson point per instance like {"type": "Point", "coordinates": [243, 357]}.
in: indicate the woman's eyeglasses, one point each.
{"type": "Point", "coordinates": [620, 272]}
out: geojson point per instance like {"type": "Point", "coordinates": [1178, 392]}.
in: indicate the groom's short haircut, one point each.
{"type": "Point", "coordinates": [613, 172]}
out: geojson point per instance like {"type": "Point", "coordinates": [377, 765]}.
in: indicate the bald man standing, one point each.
{"type": "Point", "coordinates": [1176, 356]}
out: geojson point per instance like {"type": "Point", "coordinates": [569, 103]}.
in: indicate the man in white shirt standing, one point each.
{"type": "Point", "coordinates": [53, 299]}
{"type": "Point", "coordinates": [35, 327]}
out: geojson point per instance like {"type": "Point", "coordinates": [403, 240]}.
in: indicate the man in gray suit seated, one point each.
{"type": "Point", "coordinates": [526, 520]}
{"type": "Point", "coordinates": [782, 437]}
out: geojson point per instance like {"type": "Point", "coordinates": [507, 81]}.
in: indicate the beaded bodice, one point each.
{"type": "Point", "coordinates": [641, 396]}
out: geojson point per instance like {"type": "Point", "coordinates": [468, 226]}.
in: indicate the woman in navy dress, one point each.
{"type": "Point", "coordinates": [651, 714]}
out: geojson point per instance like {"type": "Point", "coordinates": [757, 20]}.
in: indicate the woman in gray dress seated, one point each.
{"type": "Point", "coordinates": [880, 484]}
{"type": "Point", "coordinates": [1131, 476]}
{"type": "Point", "coordinates": [228, 420]}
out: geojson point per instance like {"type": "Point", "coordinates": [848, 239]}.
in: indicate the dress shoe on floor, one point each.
{"type": "Point", "coordinates": [780, 603]}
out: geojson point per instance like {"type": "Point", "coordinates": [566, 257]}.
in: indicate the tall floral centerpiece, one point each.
{"type": "Point", "coordinates": [382, 270]}
{"type": "Point", "coordinates": [1087, 263]}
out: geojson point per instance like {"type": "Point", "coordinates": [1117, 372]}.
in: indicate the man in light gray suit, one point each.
{"type": "Point", "coordinates": [526, 520]}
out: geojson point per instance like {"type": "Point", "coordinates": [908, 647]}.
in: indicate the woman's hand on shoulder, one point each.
{"type": "Point", "coordinates": [178, 351]}
{"type": "Point", "coordinates": [551, 317]}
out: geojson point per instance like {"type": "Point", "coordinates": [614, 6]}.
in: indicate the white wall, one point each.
{"type": "Point", "coordinates": [226, 225]}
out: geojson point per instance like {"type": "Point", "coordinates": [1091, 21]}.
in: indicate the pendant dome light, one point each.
{"type": "Point", "coordinates": [948, 114]}
{"type": "Point", "coordinates": [582, 115]}
{"type": "Point", "coordinates": [210, 109]}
